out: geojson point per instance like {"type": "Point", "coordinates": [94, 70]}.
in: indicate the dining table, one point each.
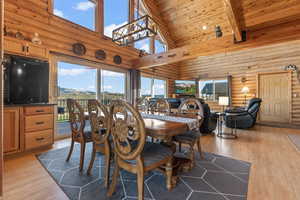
{"type": "Point", "coordinates": [165, 127]}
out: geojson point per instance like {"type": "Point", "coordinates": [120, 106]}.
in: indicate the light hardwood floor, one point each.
{"type": "Point", "coordinates": [275, 171]}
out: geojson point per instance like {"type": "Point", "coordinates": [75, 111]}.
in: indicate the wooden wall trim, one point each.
{"type": "Point", "coordinates": [1, 94]}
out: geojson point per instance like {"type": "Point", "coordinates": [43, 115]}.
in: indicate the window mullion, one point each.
{"type": "Point", "coordinates": [152, 87]}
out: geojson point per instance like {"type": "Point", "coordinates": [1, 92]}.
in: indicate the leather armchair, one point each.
{"type": "Point", "coordinates": [243, 118]}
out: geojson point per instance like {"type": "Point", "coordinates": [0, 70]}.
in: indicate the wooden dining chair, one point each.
{"type": "Point", "coordinates": [192, 107]}
{"type": "Point", "coordinates": [79, 133]}
{"type": "Point", "coordinates": [160, 106]}
{"type": "Point", "coordinates": [132, 152]}
{"type": "Point", "coordinates": [142, 104]}
{"type": "Point", "coordinates": [99, 117]}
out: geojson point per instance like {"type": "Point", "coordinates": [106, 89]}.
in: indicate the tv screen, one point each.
{"type": "Point", "coordinates": [185, 87]}
{"type": "Point", "coordinates": [28, 80]}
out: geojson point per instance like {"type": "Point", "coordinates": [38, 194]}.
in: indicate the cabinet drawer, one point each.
{"type": "Point", "coordinates": [38, 122]}
{"type": "Point", "coordinates": [38, 139]}
{"type": "Point", "coordinates": [37, 110]}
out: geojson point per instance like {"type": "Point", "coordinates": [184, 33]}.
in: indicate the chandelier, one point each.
{"type": "Point", "coordinates": [142, 28]}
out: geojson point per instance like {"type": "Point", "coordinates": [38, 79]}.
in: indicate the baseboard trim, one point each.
{"type": "Point", "coordinates": [278, 125]}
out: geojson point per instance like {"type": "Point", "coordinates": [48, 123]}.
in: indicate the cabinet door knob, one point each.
{"type": "Point", "coordinates": [39, 139]}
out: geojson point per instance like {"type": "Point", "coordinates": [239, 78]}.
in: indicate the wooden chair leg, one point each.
{"type": "Point", "coordinates": [179, 145]}
{"type": "Point", "coordinates": [192, 155]}
{"type": "Point", "coordinates": [71, 150]}
{"type": "Point", "coordinates": [92, 161]}
{"type": "Point", "coordinates": [199, 148]}
{"type": "Point", "coordinates": [82, 152]}
{"type": "Point", "coordinates": [112, 187]}
{"type": "Point", "coordinates": [169, 173]}
{"type": "Point", "coordinates": [140, 183]}
{"type": "Point", "coordinates": [107, 167]}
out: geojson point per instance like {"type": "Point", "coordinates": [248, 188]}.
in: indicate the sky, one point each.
{"type": "Point", "coordinates": [82, 12]}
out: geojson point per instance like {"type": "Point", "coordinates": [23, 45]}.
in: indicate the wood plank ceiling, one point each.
{"type": "Point", "coordinates": [186, 18]}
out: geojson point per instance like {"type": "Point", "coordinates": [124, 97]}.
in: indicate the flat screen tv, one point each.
{"type": "Point", "coordinates": [26, 80]}
{"type": "Point", "coordinates": [185, 87]}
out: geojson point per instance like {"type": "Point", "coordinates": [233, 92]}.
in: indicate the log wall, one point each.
{"type": "Point", "coordinates": [248, 63]}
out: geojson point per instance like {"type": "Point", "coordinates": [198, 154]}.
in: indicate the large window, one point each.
{"type": "Point", "coordinates": [113, 86]}
{"type": "Point", "coordinates": [152, 87]}
{"type": "Point", "coordinates": [76, 81]}
{"type": "Point", "coordinates": [82, 12]}
{"type": "Point", "coordinates": [160, 46]}
{"type": "Point", "coordinates": [213, 89]}
{"type": "Point", "coordinates": [115, 15]}
{"type": "Point", "coordinates": [143, 45]}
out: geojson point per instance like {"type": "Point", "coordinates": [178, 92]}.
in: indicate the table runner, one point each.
{"type": "Point", "coordinates": [192, 123]}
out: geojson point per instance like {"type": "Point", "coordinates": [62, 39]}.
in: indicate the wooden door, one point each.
{"type": "Point", "coordinates": [11, 135]}
{"type": "Point", "coordinates": [274, 90]}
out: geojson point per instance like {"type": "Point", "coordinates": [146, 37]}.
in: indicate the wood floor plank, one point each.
{"type": "Point", "coordinates": [275, 170]}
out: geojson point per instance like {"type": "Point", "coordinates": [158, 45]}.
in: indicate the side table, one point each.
{"type": "Point", "coordinates": [221, 120]}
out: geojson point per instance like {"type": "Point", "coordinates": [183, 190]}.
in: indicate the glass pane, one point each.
{"type": "Point", "coordinates": [143, 45]}
{"type": "Point", "coordinates": [159, 88]}
{"type": "Point", "coordinates": [221, 88]}
{"type": "Point", "coordinates": [206, 90]}
{"type": "Point", "coordinates": [113, 86]}
{"type": "Point", "coordinates": [115, 15]}
{"type": "Point", "coordinates": [159, 47]}
{"type": "Point", "coordinates": [76, 82]}
{"type": "Point", "coordinates": [81, 12]}
{"type": "Point", "coordinates": [145, 87]}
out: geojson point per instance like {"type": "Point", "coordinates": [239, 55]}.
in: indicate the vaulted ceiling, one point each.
{"type": "Point", "coordinates": [185, 19]}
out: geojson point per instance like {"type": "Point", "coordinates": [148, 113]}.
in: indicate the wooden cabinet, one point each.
{"type": "Point", "coordinates": [11, 137]}
{"type": "Point", "coordinates": [14, 46]}
{"type": "Point", "coordinates": [38, 139]}
{"type": "Point", "coordinates": [38, 122]}
{"type": "Point", "coordinates": [24, 48]}
{"type": "Point", "coordinates": [38, 126]}
{"type": "Point", "coordinates": [28, 127]}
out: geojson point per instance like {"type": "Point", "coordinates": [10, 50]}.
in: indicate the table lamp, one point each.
{"type": "Point", "coordinates": [223, 101]}
{"type": "Point", "coordinates": [245, 91]}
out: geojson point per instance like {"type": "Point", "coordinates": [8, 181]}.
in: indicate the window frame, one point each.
{"type": "Point", "coordinates": [228, 79]}
{"type": "Point", "coordinates": [99, 16]}
{"type": "Point", "coordinates": [54, 59]}
{"type": "Point", "coordinates": [152, 84]}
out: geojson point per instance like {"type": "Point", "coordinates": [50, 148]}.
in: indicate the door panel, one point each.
{"type": "Point", "coordinates": [275, 95]}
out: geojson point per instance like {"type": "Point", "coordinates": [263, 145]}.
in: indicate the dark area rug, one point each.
{"type": "Point", "coordinates": [214, 178]}
{"type": "Point", "coordinates": [295, 139]}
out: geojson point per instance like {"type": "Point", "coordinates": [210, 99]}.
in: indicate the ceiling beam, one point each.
{"type": "Point", "coordinates": [271, 35]}
{"type": "Point", "coordinates": [233, 13]}
{"type": "Point", "coordinates": [183, 53]}
{"type": "Point", "coordinates": [153, 10]}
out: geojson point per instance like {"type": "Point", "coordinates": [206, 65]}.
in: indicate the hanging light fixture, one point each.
{"type": "Point", "coordinates": [141, 28]}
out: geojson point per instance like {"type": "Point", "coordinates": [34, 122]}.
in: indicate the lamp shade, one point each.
{"type": "Point", "coordinates": [245, 90]}
{"type": "Point", "coordinates": [223, 101]}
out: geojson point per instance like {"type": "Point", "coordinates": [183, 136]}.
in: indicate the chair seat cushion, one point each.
{"type": "Point", "coordinates": [154, 153]}
{"type": "Point", "coordinates": [188, 137]}
{"type": "Point", "coordinates": [88, 135]}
